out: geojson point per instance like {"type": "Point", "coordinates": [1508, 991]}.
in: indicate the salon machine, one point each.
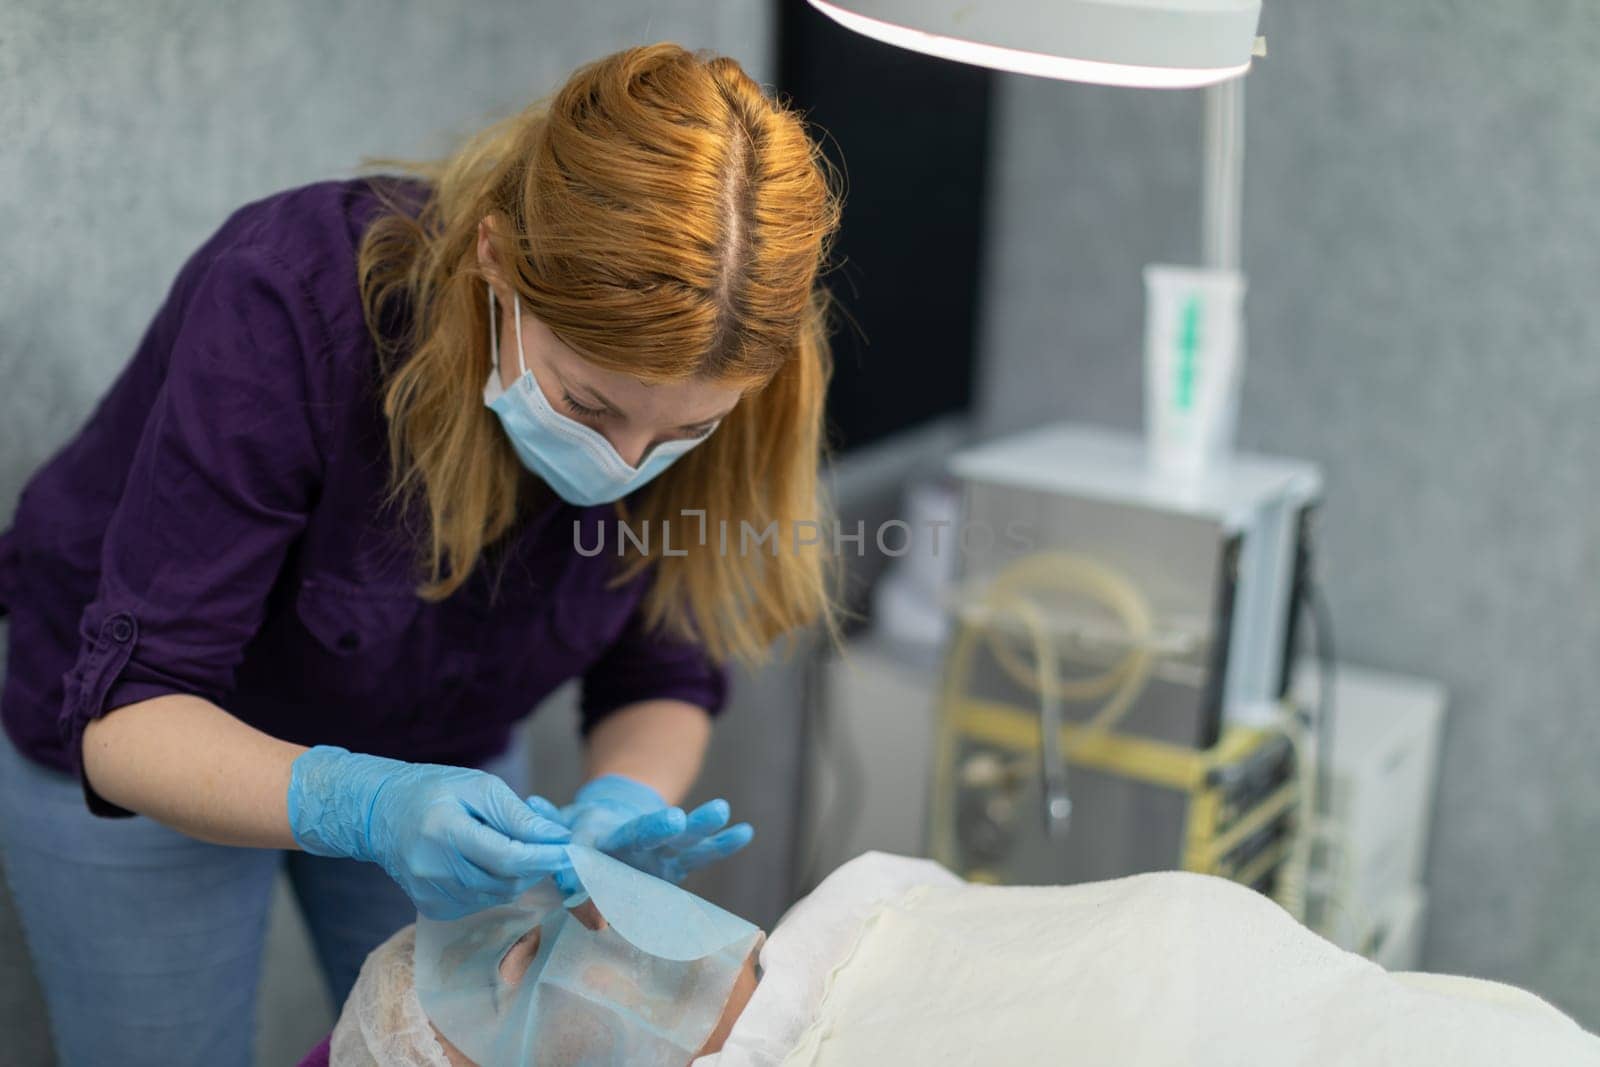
{"type": "Point", "coordinates": [1121, 644]}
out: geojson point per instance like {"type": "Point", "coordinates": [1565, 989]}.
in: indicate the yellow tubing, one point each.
{"type": "Point", "coordinates": [1008, 594]}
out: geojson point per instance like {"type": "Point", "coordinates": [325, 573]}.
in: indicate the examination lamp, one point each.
{"type": "Point", "coordinates": [1152, 44]}
{"type": "Point", "coordinates": [1194, 325]}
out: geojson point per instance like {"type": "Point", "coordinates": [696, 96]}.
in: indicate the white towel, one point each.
{"type": "Point", "coordinates": [1150, 971]}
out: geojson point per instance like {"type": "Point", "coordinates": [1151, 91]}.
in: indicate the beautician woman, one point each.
{"type": "Point", "coordinates": [316, 551]}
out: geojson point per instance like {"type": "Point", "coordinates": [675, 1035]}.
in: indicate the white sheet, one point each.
{"type": "Point", "coordinates": [894, 961]}
{"type": "Point", "coordinates": [811, 939]}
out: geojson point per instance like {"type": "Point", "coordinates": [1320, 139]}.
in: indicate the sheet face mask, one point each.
{"type": "Point", "coordinates": [648, 989]}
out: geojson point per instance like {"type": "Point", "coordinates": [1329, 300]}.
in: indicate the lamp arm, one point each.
{"type": "Point", "coordinates": [1222, 184]}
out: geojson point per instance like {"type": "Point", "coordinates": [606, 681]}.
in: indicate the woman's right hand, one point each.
{"type": "Point", "coordinates": [457, 840]}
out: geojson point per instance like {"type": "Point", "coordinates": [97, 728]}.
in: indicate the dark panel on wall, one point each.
{"type": "Point", "coordinates": [910, 134]}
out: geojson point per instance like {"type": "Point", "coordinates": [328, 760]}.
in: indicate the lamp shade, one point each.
{"type": "Point", "coordinates": [1158, 44]}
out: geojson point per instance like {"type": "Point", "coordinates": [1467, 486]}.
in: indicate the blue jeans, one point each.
{"type": "Point", "coordinates": [147, 943]}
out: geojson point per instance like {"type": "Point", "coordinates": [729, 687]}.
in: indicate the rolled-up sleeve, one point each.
{"type": "Point", "coordinates": [649, 665]}
{"type": "Point", "coordinates": [221, 482]}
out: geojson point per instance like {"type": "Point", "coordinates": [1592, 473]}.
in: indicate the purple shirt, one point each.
{"type": "Point", "coordinates": [218, 528]}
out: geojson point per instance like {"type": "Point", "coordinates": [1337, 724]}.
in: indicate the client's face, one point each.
{"type": "Point", "coordinates": [619, 982]}
{"type": "Point", "coordinates": [644, 973]}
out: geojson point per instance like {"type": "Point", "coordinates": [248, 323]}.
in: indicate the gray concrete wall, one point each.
{"type": "Point", "coordinates": [1423, 245]}
{"type": "Point", "coordinates": [132, 130]}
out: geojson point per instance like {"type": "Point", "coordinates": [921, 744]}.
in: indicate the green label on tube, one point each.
{"type": "Point", "coordinates": [1188, 353]}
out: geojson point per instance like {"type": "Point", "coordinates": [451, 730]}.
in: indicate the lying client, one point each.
{"type": "Point", "coordinates": [893, 960]}
{"type": "Point", "coordinates": [636, 971]}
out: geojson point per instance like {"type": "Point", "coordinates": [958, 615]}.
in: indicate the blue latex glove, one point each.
{"type": "Point", "coordinates": [457, 840]}
{"type": "Point", "coordinates": [627, 819]}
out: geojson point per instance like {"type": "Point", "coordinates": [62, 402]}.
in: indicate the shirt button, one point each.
{"type": "Point", "coordinates": [121, 630]}
{"type": "Point", "coordinates": [349, 641]}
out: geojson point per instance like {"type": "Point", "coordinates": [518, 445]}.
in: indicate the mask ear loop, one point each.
{"type": "Point", "coordinates": [494, 333]}
{"type": "Point", "coordinates": [516, 314]}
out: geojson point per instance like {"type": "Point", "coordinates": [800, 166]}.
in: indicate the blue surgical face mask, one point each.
{"type": "Point", "coordinates": [573, 459]}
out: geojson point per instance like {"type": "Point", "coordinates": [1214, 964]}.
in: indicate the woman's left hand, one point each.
{"type": "Point", "coordinates": [627, 819]}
